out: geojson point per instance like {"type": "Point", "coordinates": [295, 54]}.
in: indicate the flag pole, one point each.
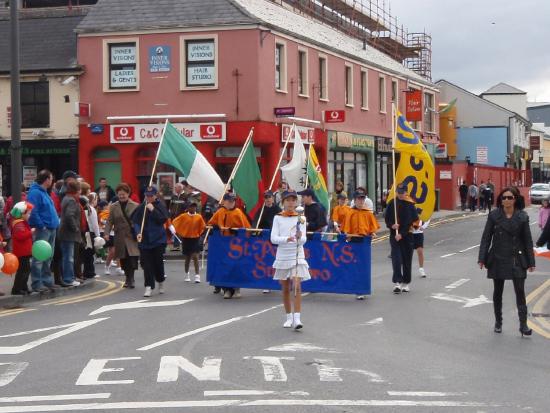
{"type": "Point", "coordinates": [393, 132]}
{"type": "Point", "coordinates": [283, 153]}
{"type": "Point", "coordinates": [140, 235]}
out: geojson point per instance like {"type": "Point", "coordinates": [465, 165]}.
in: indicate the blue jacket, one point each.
{"type": "Point", "coordinates": [154, 233]}
{"type": "Point", "coordinates": [43, 213]}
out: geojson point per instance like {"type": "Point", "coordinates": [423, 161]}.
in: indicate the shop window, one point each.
{"type": "Point", "coordinates": [35, 104]}
{"type": "Point", "coordinates": [350, 168]}
{"type": "Point", "coordinates": [200, 62]}
{"type": "Point", "coordinates": [107, 165]}
{"type": "Point", "coordinates": [364, 90]}
{"type": "Point", "coordinates": [323, 81]}
{"type": "Point", "coordinates": [382, 94]}
{"type": "Point", "coordinates": [348, 87]}
{"type": "Point", "coordinates": [302, 73]}
{"type": "Point", "coordinates": [122, 65]}
{"type": "Point", "coordinates": [429, 112]}
{"type": "Point", "coordinates": [280, 67]}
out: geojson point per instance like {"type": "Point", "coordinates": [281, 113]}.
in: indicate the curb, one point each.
{"type": "Point", "coordinates": [15, 301]}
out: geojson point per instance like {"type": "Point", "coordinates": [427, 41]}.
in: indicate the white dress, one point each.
{"type": "Point", "coordinates": [286, 266]}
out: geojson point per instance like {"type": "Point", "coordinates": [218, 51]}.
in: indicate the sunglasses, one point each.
{"type": "Point", "coordinates": [507, 197]}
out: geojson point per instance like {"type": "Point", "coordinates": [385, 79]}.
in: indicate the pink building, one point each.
{"type": "Point", "coordinates": [224, 67]}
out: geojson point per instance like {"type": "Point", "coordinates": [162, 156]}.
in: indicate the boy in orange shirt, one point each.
{"type": "Point", "coordinates": [360, 222]}
{"type": "Point", "coordinates": [189, 226]}
{"type": "Point", "coordinates": [340, 211]}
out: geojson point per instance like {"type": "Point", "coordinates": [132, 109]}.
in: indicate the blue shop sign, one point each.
{"type": "Point", "coordinates": [159, 59]}
{"type": "Point", "coordinates": [96, 128]}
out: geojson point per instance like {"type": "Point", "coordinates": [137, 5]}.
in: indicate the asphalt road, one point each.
{"type": "Point", "coordinates": [430, 350]}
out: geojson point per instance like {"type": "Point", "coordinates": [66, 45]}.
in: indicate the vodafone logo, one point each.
{"type": "Point", "coordinates": [213, 131]}
{"type": "Point", "coordinates": [124, 133]}
{"type": "Point", "coordinates": [333, 116]}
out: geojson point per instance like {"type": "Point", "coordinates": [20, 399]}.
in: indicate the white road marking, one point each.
{"type": "Point", "coordinates": [67, 329]}
{"type": "Point", "coordinates": [215, 393]}
{"type": "Point", "coordinates": [327, 371]}
{"type": "Point", "coordinates": [138, 304]}
{"type": "Point", "coordinates": [171, 365]}
{"type": "Point", "coordinates": [441, 241]}
{"type": "Point", "coordinates": [469, 248]}
{"type": "Point", "coordinates": [448, 255]}
{"type": "Point", "coordinates": [240, 403]}
{"type": "Point", "coordinates": [374, 322]}
{"type": "Point", "coordinates": [272, 366]}
{"type": "Point", "coordinates": [425, 393]}
{"type": "Point", "coordinates": [11, 372]}
{"type": "Point", "coordinates": [54, 397]}
{"type": "Point", "coordinates": [301, 347]}
{"type": "Point", "coordinates": [468, 302]}
{"type": "Point", "coordinates": [457, 284]}
{"type": "Point", "coordinates": [96, 367]}
{"type": "Point", "coordinates": [460, 252]}
{"type": "Point", "coordinates": [206, 328]}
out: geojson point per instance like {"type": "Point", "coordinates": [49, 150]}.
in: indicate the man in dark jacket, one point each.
{"type": "Point", "coordinates": [315, 215]}
{"type": "Point", "coordinates": [401, 238]}
{"type": "Point", "coordinates": [70, 235]}
{"type": "Point", "coordinates": [104, 191]}
{"type": "Point", "coordinates": [152, 239]}
{"type": "Point", "coordinates": [463, 192]}
{"type": "Point", "coordinates": [270, 209]}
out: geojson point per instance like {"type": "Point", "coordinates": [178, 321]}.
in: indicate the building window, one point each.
{"type": "Point", "coordinates": [364, 90]}
{"type": "Point", "coordinates": [382, 94]}
{"type": "Point", "coordinates": [348, 85]}
{"type": "Point", "coordinates": [395, 93]}
{"type": "Point", "coordinates": [280, 67]}
{"type": "Point", "coordinates": [302, 73]}
{"type": "Point", "coordinates": [429, 112]}
{"type": "Point", "coordinates": [323, 83]}
{"type": "Point", "coordinates": [200, 63]}
{"type": "Point", "coordinates": [35, 104]}
{"type": "Point", "coordinates": [123, 66]}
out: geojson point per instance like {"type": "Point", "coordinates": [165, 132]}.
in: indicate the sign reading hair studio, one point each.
{"type": "Point", "coordinates": [147, 132]}
{"type": "Point", "coordinates": [201, 62]}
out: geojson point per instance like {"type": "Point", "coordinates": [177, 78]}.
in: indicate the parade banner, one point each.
{"type": "Point", "coordinates": [244, 261]}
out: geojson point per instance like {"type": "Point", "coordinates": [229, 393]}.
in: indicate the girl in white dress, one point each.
{"type": "Point", "coordinates": [289, 234]}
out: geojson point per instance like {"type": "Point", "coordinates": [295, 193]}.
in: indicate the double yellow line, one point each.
{"type": "Point", "coordinates": [13, 311]}
{"type": "Point", "coordinates": [540, 296]}
{"type": "Point", "coordinates": [111, 288]}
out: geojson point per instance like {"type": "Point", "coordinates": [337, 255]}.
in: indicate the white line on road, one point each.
{"type": "Point", "coordinates": [441, 241]}
{"type": "Point", "coordinates": [215, 393]}
{"type": "Point", "coordinates": [301, 347]}
{"type": "Point", "coordinates": [468, 302]}
{"type": "Point", "coordinates": [54, 397]}
{"type": "Point", "coordinates": [460, 252]}
{"type": "Point", "coordinates": [138, 304]}
{"type": "Point", "coordinates": [373, 322]}
{"type": "Point", "coordinates": [457, 284]}
{"type": "Point", "coordinates": [469, 248]}
{"type": "Point", "coordinates": [242, 403]}
{"type": "Point", "coordinates": [425, 393]}
{"type": "Point", "coordinates": [448, 255]}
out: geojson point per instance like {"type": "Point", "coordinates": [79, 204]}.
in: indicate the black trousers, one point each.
{"type": "Point", "coordinates": [401, 258]}
{"type": "Point", "coordinates": [519, 288]}
{"type": "Point", "coordinates": [21, 281]}
{"type": "Point", "coordinates": [88, 262]}
{"type": "Point", "coordinates": [153, 265]}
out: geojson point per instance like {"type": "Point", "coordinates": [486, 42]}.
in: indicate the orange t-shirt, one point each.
{"type": "Point", "coordinates": [189, 226]}
{"type": "Point", "coordinates": [339, 213]}
{"type": "Point", "coordinates": [360, 222]}
{"type": "Point", "coordinates": [229, 218]}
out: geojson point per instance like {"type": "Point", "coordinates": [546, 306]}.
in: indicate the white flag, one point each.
{"type": "Point", "coordinates": [294, 172]}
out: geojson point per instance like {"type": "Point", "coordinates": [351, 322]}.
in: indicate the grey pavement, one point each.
{"type": "Point", "coordinates": [430, 350]}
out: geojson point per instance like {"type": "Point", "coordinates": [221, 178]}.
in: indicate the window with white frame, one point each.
{"type": "Point", "coordinates": [395, 93]}
{"type": "Point", "coordinates": [429, 112]}
{"type": "Point", "coordinates": [123, 66]}
{"type": "Point", "coordinates": [280, 67]}
{"type": "Point", "coordinates": [364, 89]}
{"type": "Point", "coordinates": [200, 55]}
{"type": "Point", "coordinates": [382, 94]}
{"type": "Point", "coordinates": [348, 73]}
{"type": "Point", "coordinates": [302, 73]}
{"type": "Point", "coordinates": [323, 82]}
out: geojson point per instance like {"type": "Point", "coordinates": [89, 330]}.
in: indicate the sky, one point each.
{"type": "Point", "coordinates": [479, 43]}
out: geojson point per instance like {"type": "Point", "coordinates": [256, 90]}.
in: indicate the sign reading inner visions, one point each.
{"type": "Point", "coordinates": [201, 62]}
{"type": "Point", "coordinates": [123, 66]}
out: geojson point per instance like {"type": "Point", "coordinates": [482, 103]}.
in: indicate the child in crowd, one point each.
{"type": "Point", "coordinates": [340, 211]}
{"type": "Point", "coordinates": [289, 234]}
{"type": "Point", "coordinates": [189, 226]}
{"type": "Point", "coordinates": [418, 245]}
{"type": "Point", "coordinates": [21, 236]}
{"type": "Point", "coordinates": [544, 213]}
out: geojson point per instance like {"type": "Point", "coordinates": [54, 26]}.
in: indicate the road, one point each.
{"type": "Point", "coordinates": [430, 350]}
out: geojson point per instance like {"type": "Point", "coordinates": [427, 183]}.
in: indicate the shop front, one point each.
{"type": "Point", "coordinates": [57, 155]}
{"type": "Point", "coordinates": [351, 159]}
{"type": "Point", "coordinates": [384, 171]}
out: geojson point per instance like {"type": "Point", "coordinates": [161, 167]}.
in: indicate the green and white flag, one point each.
{"type": "Point", "coordinates": [177, 151]}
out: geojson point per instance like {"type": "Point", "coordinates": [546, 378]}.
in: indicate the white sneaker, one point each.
{"type": "Point", "coordinates": [161, 288]}
{"type": "Point", "coordinates": [289, 321]}
{"type": "Point", "coordinates": [119, 271]}
{"type": "Point", "coordinates": [422, 272]}
{"type": "Point", "coordinates": [237, 293]}
{"type": "Point", "coordinates": [187, 278]}
{"type": "Point", "coordinates": [197, 278]}
{"type": "Point", "coordinates": [360, 297]}
{"type": "Point", "coordinates": [266, 291]}
{"type": "Point", "coordinates": [405, 288]}
{"type": "Point", "coordinates": [297, 322]}
{"type": "Point", "coordinates": [107, 270]}
{"type": "Point", "coordinates": [147, 292]}
{"type": "Point", "coordinates": [75, 283]}
{"type": "Point", "coordinates": [397, 288]}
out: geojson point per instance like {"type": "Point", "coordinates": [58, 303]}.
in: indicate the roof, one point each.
{"type": "Point", "coordinates": [129, 15]}
{"type": "Point", "coordinates": [532, 105]}
{"type": "Point", "coordinates": [48, 41]}
{"type": "Point", "coordinates": [503, 89]}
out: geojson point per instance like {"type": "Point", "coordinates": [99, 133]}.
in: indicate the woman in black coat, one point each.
{"type": "Point", "coordinates": [506, 250]}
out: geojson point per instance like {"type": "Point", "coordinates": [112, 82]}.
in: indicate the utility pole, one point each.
{"type": "Point", "coordinates": [16, 167]}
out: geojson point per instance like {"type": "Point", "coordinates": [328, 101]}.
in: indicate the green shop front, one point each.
{"type": "Point", "coordinates": [57, 155]}
{"type": "Point", "coordinates": [351, 159]}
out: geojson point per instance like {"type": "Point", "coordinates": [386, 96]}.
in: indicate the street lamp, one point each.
{"type": "Point", "coordinates": [16, 168]}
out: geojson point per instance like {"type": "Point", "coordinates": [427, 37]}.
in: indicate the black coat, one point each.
{"type": "Point", "coordinates": [315, 217]}
{"type": "Point", "coordinates": [506, 246]}
{"type": "Point", "coordinates": [407, 215]}
{"type": "Point", "coordinates": [267, 217]}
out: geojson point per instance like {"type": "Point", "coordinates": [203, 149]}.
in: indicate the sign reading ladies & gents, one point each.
{"type": "Point", "coordinates": [123, 66]}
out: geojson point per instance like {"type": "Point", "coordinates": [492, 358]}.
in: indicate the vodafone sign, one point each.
{"type": "Point", "coordinates": [148, 132]}
{"type": "Point", "coordinates": [335, 116]}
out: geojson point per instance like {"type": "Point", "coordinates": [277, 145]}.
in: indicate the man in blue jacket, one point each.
{"type": "Point", "coordinates": [45, 221]}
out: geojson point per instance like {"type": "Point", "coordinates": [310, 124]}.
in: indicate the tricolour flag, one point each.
{"type": "Point", "coordinates": [247, 182]}
{"type": "Point", "coordinates": [416, 169]}
{"type": "Point", "coordinates": [294, 172]}
{"type": "Point", "coordinates": [316, 179]}
{"type": "Point", "coordinates": [177, 151]}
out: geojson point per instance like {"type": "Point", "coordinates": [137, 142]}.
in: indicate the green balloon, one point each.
{"type": "Point", "coordinates": [41, 250]}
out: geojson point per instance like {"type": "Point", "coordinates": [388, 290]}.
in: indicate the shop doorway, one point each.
{"type": "Point", "coordinates": [107, 165]}
{"type": "Point", "coordinates": [349, 167]}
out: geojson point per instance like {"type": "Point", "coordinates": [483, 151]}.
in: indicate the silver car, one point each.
{"type": "Point", "coordinates": [539, 192]}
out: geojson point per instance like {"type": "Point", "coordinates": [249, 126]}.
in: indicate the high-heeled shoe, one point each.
{"type": "Point", "coordinates": [523, 327]}
{"type": "Point", "coordinates": [525, 331]}
{"type": "Point", "coordinates": [498, 328]}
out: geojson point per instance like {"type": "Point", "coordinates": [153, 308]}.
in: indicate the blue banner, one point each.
{"type": "Point", "coordinates": [159, 59]}
{"type": "Point", "coordinates": [244, 261]}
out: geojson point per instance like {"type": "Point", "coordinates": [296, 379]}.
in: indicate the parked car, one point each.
{"type": "Point", "coordinates": [538, 192]}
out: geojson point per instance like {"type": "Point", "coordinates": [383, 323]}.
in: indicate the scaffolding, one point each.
{"type": "Point", "coordinates": [371, 21]}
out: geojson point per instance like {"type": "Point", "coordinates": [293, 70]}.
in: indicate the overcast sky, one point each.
{"type": "Point", "coordinates": [471, 51]}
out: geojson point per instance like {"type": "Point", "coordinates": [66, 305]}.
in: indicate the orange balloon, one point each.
{"type": "Point", "coordinates": [11, 264]}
